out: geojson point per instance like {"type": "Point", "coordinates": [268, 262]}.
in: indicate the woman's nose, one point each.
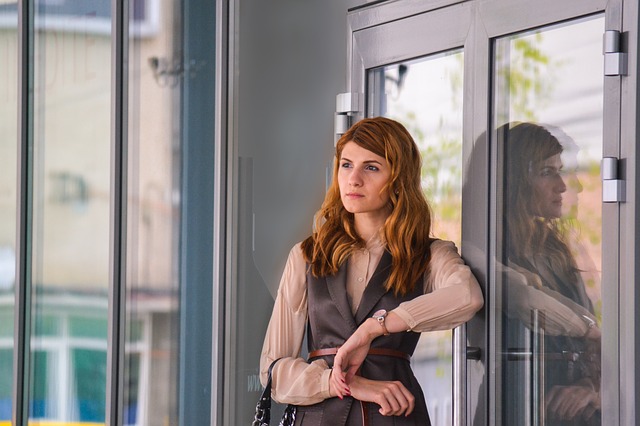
{"type": "Point", "coordinates": [355, 179]}
{"type": "Point", "coordinates": [561, 186]}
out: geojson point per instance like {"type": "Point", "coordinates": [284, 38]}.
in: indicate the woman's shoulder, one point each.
{"type": "Point", "coordinates": [442, 246]}
{"type": "Point", "coordinates": [293, 283]}
{"type": "Point", "coordinates": [295, 254]}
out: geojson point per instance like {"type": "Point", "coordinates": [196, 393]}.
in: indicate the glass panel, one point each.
{"type": "Point", "coordinates": [6, 379]}
{"type": "Point", "coordinates": [70, 247]}
{"type": "Point", "coordinates": [548, 116]}
{"type": "Point", "coordinates": [88, 327]}
{"type": "Point", "coordinates": [44, 398]}
{"type": "Point", "coordinates": [47, 325]}
{"type": "Point", "coordinates": [132, 395]}
{"type": "Point", "coordinates": [8, 196]}
{"type": "Point", "coordinates": [426, 96]}
{"type": "Point", "coordinates": [153, 287]}
{"type": "Point", "coordinates": [87, 367]}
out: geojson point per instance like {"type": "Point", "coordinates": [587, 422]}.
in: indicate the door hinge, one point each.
{"type": "Point", "coordinates": [613, 188]}
{"type": "Point", "coordinates": [615, 60]}
{"type": "Point", "coordinates": [347, 106]}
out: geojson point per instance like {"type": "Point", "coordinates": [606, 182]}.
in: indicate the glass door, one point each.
{"type": "Point", "coordinates": [425, 94]}
{"type": "Point", "coordinates": [514, 114]}
{"type": "Point", "coordinates": [548, 127]}
{"type": "Point", "coordinates": [423, 89]}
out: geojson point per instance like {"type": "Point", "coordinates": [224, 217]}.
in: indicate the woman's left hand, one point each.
{"type": "Point", "coordinates": [350, 356]}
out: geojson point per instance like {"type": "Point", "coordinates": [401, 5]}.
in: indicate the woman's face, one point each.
{"type": "Point", "coordinates": [362, 175]}
{"type": "Point", "coordinates": [547, 188]}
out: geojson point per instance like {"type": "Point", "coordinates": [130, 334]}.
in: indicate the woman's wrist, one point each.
{"type": "Point", "coordinates": [593, 331]}
{"type": "Point", "coordinates": [392, 324]}
{"type": "Point", "coordinates": [332, 390]}
{"type": "Point", "coordinates": [373, 328]}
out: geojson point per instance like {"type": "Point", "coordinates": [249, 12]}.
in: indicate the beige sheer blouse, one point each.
{"type": "Point", "coordinates": [451, 297]}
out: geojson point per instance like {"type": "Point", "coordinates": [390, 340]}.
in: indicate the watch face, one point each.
{"type": "Point", "coordinates": [380, 313]}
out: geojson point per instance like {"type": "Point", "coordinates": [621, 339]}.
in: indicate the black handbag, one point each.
{"type": "Point", "coordinates": [263, 408]}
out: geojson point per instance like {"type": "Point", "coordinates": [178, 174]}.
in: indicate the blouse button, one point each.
{"type": "Point", "coordinates": [360, 279]}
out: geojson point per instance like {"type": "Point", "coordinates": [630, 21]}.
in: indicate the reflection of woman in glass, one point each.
{"type": "Point", "coordinates": [368, 274]}
{"type": "Point", "coordinates": [542, 275]}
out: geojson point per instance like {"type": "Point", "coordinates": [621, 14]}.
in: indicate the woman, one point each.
{"type": "Point", "coordinates": [542, 276]}
{"type": "Point", "coordinates": [370, 255]}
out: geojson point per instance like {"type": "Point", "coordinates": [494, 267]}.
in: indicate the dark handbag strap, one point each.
{"type": "Point", "coordinates": [263, 408]}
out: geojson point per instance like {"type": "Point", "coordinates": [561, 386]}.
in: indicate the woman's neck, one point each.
{"type": "Point", "coordinates": [367, 227]}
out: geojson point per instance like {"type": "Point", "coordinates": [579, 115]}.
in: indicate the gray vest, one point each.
{"type": "Point", "coordinates": [331, 323]}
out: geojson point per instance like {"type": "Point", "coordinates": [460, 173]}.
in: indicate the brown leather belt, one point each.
{"type": "Point", "coordinates": [373, 351]}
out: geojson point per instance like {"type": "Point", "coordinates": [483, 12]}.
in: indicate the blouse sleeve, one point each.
{"type": "Point", "coordinates": [452, 294]}
{"type": "Point", "coordinates": [294, 381]}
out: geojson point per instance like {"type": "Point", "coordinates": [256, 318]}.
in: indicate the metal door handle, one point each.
{"type": "Point", "coordinates": [459, 375]}
{"type": "Point", "coordinates": [474, 353]}
{"type": "Point", "coordinates": [461, 354]}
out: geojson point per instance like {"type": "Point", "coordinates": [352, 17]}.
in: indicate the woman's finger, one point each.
{"type": "Point", "coordinates": [337, 363]}
{"type": "Point", "coordinates": [395, 394]}
{"type": "Point", "coordinates": [351, 372]}
{"type": "Point", "coordinates": [384, 406]}
{"type": "Point", "coordinates": [394, 402]}
{"type": "Point", "coordinates": [340, 388]}
{"type": "Point", "coordinates": [411, 400]}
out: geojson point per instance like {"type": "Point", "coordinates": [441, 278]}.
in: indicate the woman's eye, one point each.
{"type": "Point", "coordinates": [548, 172]}
{"type": "Point", "coordinates": [345, 165]}
{"type": "Point", "coordinates": [372, 168]}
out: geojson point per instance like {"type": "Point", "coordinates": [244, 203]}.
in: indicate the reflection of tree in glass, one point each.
{"type": "Point", "coordinates": [530, 76]}
{"type": "Point", "coordinates": [441, 172]}
{"type": "Point", "coordinates": [530, 80]}
{"type": "Point", "coordinates": [583, 226]}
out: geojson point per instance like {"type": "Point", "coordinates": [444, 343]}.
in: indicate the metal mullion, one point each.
{"type": "Point", "coordinates": [221, 203]}
{"type": "Point", "coordinates": [478, 196]}
{"type": "Point", "coordinates": [230, 272]}
{"type": "Point", "coordinates": [118, 225]}
{"type": "Point", "coordinates": [629, 268]}
{"type": "Point", "coordinates": [22, 321]}
{"type": "Point", "coordinates": [612, 342]}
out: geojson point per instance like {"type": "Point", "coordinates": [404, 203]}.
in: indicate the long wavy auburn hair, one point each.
{"type": "Point", "coordinates": [407, 229]}
{"type": "Point", "coordinates": [529, 236]}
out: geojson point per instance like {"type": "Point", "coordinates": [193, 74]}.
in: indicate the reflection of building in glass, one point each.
{"type": "Point", "coordinates": [71, 223]}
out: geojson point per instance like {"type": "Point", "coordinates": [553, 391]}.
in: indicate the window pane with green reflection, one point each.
{"type": "Point", "coordinates": [71, 214]}
{"type": "Point", "coordinates": [8, 194]}
{"type": "Point", "coordinates": [6, 370]}
{"type": "Point", "coordinates": [47, 325]}
{"type": "Point", "coordinates": [88, 327]}
{"type": "Point", "coordinates": [45, 400]}
{"type": "Point", "coordinates": [89, 368]}
{"type": "Point", "coordinates": [154, 196]}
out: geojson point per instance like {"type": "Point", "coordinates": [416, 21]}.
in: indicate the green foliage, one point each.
{"type": "Point", "coordinates": [527, 73]}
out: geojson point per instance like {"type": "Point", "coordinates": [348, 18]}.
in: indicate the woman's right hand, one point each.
{"type": "Point", "coordinates": [571, 402]}
{"type": "Point", "coordinates": [393, 397]}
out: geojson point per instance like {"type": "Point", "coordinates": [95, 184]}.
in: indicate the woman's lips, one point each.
{"type": "Point", "coordinates": [354, 195]}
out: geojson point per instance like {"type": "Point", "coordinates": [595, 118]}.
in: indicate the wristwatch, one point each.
{"type": "Point", "coordinates": [380, 316]}
{"type": "Point", "coordinates": [591, 323]}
